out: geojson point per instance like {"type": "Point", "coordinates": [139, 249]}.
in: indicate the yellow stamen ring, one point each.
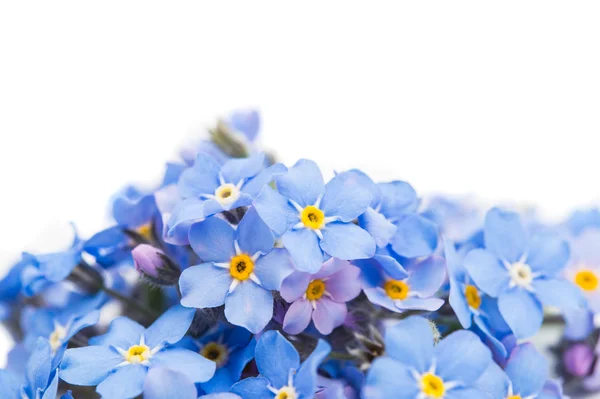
{"type": "Point", "coordinates": [241, 267]}
{"type": "Point", "coordinates": [396, 289]}
{"type": "Point", "coordinates": [315, 290]}
{"type": "Point", "coordinates": [312, 217]}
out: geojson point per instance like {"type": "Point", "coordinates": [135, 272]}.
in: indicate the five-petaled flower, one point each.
{"type": "Point", "coordinates": [315, 218]}
{"type": "Point", "coordinates": [240, 270]}
{"type": "Point", "coordinates": [522, 272]}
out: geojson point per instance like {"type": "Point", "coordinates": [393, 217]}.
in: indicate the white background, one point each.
{"type": "Point", "coordinates": [500, 99]}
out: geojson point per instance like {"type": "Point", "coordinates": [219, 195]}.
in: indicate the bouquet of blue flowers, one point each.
{"type": "Point", "coordinates": [239, 277]}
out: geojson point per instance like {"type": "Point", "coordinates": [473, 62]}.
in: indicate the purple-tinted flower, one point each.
{"type": "Point", "coordinates": [415, 292]}
{"type": "Point", "coordinates": [321, 296]}
{"type": "Point", "coordinates": [153, 264]}
{"type": "Point", "coordinates": [578, 360]}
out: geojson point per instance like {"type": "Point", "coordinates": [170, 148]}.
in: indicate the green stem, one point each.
{"type": "Point", "coordinates": [341, 356]}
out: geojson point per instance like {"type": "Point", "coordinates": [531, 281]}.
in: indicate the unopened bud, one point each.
{"type": "Point", "coordinates": [155, 265]}
{"type": "Point", "coordinates": [578, 360]}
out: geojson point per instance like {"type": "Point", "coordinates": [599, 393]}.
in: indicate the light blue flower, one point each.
{"type": "Point", "coordinates": [392, 218]}
{"type": "Point", "coordinates": [118, 361]}
{"type": "Point", "coordinates": [281, 374]}
{"type": "Point", "coordinates": [42, 271]}
{"type": "Point", "coordinates": [522, 272]}
{"type": "Point", "coordinates": [40, 380]}
{"type": "Point", "coordinates": [10, 287]}
{"type": "Point", "coordinates": [231, 348]}
{"type": "Point", "coordinates": [473, 308]}
{"type": "Point", "coordinates": [240, 270]}
{"type": "Point", "coordinates": [58, 327]}
{"type": "Point", "coordinates": [524, 376]}
{"type": "Point", "coordinates": [414, 368]}
{"type": "Point", "coordinates": [178, 386]}
{"type": "Point", "coordinates": [414, 291]}
{"type": "Point", "coordinates": [316, 219]}
{"type": "Point", "coordinates": [208, 188]}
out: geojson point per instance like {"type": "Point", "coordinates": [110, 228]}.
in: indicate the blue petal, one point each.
{"type": "Point", "coordinates": [134, 212]}
{"type": "Point", "coordinates": [463, 393]}
{"type": "Point", "coordinates": [38, 365]}
{"type": "Point", "coordinates": [184, 213]}
{"type": "Point", "coordinates": [57, 266]}
{"type": "Point", "coordinates": [411, 342]}
{"type": "Point", "coordinates": [89, 365]}
{"type": "Point", "coordinates": [378, 226]}
{"type": "Point", "coordinates": [275, 357]}
{"type": "Point", "coordinates": [378, 297]}
{"type": "Point", "coordinates": [80, 323]}
{"type": "Point", "coordinates": [454, 263]}
{"type": "Point", "coordinates": [303, 183]}
{"type": "Point", "coordinates": [204, 286]}
{"type": "Point", "coordinates": [224, 395]}
{"type": "Point", "coordinates": [252, 388]}
{"type": "Point", "coordinates": [416, 303]}
{"type": "Point", "coordinates": [191, 364]}
{"type": "Point", "coordinates": [52, 389]}
{"type": "Point", "coordinates": [305, 380]}
{"type": "Point", "coordinates": [493, 383]}
{"type": "Point", "coordinates": [9, 385]}
{"type": "Point", "coordinates": [170, 327]}
{"type": "Point", "coordinates": [273, 268]}
{"type": "Point", "coordinates": [459, 303]}
{"type": "Point", "coordinates": [303, 246]}
{"type": "Point", "coordinates": [345, 197]}
{"type": "Point", "coordinates": [163, 383]}
{"type": "Point", "coordinates": [239, 169]}
{"type": "Point", "coordinates": [559, 293]}
{"type": "Point", "coordinates": [522, 312]}
{"type": "Point", "coordinates": [487, 272]}
{"type": "Point", "coordinates": [123, 332]}
{"type": "Point", "coordinates": [249, 306]}
{"type": "Point", "coordinates": [126, 382]}
{"type": "Point", "coordinates": [427, 276]}
{"type": "Point", "coordinates": [415, 236]}
{"type": "Point", "coordinates": [548, 254]}
{"type": "Point", "coordinates": [246, 122]}
{"type": "Point", "coordinates": [240, 358]}
{"type": "Point", "coordinates": [397, 198]}
{"type": "Point", "coordinates": [253, 234]}
{"type": "Point", "coordinates": [388, 378]}
{"type": "Point", "coordinates": [461, 356]}
{"type": "Point", "coordinates": [220, 382]}
{"type": "Point", "coordinates": [275, 210]}
{"type": "Point", "coordinates": [527, 370]}
{"type": "Point", "coordinates": [202, 178]}
{"type": "Point", "coordinates": [213, 240]}
{"type": "Point", "coordinates": [504, 235]}
{"type": "Point", "coordinates": [579, 324]}
{"type": "Point", "coordinates": [254, 185]}
{"type": "Point", "coordinates": [347, 241]}
{"type": "Point", "coordinates": [390, 266]}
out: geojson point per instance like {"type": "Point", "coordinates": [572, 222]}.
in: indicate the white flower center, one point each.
{"type": "Point", "coordinates": [520, 274]}
{"type": "Point", "coordinates": [287, 392]}
{"type": "Point", "coordinates": [227, 193]}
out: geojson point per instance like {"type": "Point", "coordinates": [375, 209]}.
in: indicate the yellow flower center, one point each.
{"type": "Point", "coordinates": [432, 386]}
{"type": "Point", "coordinates": [286, 392]}
{"type": "Point", "coordinates": [241, 267]}
{"type": "Point", "coordinates": [146, 231]}
{"type": "Point", "coordinates": [56, 338]}
{"type": "Point", "coordinates": [315, 290]}
{"type": "Point", "coordinates": [514, 397]}
{"type": "Point", "coordinates": [137, 354]}
{"type": "Point", "coordinates": [216, 352]}
{"type": "Point", "coordinates": [473, 297]}
{"type": "Point", "coordinates": [312, 217]}
{"type": "Point", "coordinates": [587, 280]}
{"type": "Point", "coordinates": [396, 289]}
